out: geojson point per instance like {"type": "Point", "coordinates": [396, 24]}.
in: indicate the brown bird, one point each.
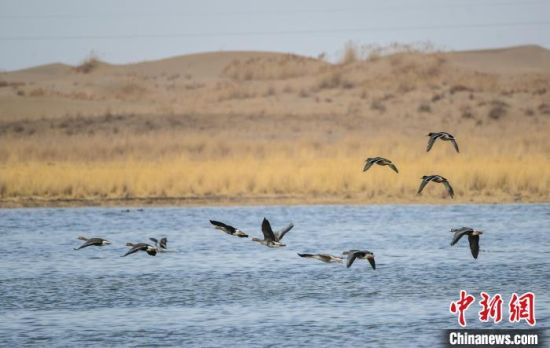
{"type": "Point", "coordinates": [134, 248]}
{"type": "Point", "coordinates": [381, 162]}
{"type": "Point", "coordinates": [438, 179]}
{"type": "Point", "coordinates": [442, 136]}
{"type": "Point", "coordinates": [473, 238]}
{"type": "Point", "coordinates": [323, 257]}
{"type": "Point", "coordinates": [228, 229]}
{"type": "Point", "coordinates": [359, 254]}
{"type": "Point", "coordinates": [92, 241]}
{"type": "Point", "coordinates": [270, 240]}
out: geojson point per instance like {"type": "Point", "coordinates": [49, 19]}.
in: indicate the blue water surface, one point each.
{"type": "Point", "coordinates": [213, 290]}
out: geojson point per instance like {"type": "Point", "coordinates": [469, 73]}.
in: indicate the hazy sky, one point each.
{"type": "Point", "coordinates": [35, 32]}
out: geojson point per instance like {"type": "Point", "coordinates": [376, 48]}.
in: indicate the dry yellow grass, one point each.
{"type": "Point", "coordinates": [307, 171]}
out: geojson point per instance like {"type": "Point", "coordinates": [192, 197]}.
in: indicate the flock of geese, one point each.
{"type": "Point", "coordinates": [272, 239]}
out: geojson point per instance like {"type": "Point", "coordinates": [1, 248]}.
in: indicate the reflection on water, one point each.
{"type": "Point", "coordinates": [212, 289]}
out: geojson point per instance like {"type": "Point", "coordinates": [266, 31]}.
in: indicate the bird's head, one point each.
{"type": "Point", "coordinates": [105, 242]}
{"type": "Point", "coordinates": [256, 239]}
{"type": "Point", "coordinates": [477, 232]}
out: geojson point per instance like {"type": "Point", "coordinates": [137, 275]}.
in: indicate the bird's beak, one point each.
{"type": "Point", "coordinates": [107, 242]}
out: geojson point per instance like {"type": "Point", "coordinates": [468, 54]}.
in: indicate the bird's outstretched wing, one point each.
{"type": "Point", "coordinates": [372, 262]}
{"type": "Point", "coordinates": [134, 249]}
{"type": "Point", "coordinates": [267, 231]}
{"type": "Point", "coordinates": [455, 144]}
{"type": "Point", "coordinates": [368, 163]}
{"type": "Point", "coordinates": [351, 257]}
{"type": "Point", "coordinates": [279, 235]}
{"type": "Point", "coordinates": [431, 142]}
{"type": "Point", "coordinates": [474, 245]}
{"type": "Point", "coordinates": [221, 226]}
{"type": "Point", "coordinates": [392, 166]}
{"type": "Point", "coordinates": [89, 242]}
{"type": "Point", "coordinates": [163, 242]}
{"type": "Point", "coordinates": [422, 185]}
{"type": "Point", "coordinates": [305, 255]}
{"type": "Point", "coordinates": [86, 244]}
{"type": "Point", "coordinates": [154, 240]}
{"type": "Point", "coordinates": [449, 188]}
{"type": "Point", "coordinates": [458, 233]}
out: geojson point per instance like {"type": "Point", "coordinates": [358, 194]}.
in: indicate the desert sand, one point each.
{"type": "Point", "coordinates": [264, 127]}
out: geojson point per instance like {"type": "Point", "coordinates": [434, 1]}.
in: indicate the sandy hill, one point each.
{"type": "Point", "coordinates": [396, 85]}
{"type": "Point", "coordinates": [514, 60]}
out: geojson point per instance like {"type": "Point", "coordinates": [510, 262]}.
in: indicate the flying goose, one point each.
{"type": "Point", "coordinates": [473, 238]}
{"type": "Point", "coordinates": [381, 162]}
{"type": "Point", "coordinates": [359, 254]}
{"type": "Point", "coordinates": [228, 229]}
{"type": "Point", "coordinates": [438, 179]}
{"type": "Point", "coordinates": [442, 136]}
{"type": "Point", "coordinates": [134, 248]}
{"type": "Point", "coordinates": [92, 241]}
{"type": "Point", "coordinates": [323, 257]}
{"type": "Point", "coordinates": [269, 237]}
{"type": "Point", "coordinates": [160, 245]}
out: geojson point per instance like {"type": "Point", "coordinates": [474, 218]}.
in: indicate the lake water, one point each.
{"type": "Point", "coordinates": [215, 290]}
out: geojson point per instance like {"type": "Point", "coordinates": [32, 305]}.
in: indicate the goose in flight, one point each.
{"type": "Point", "coordinates": [160, 245]}
{"type": "Point", "coordinates": [438, 179]}
{"type": "Point", "coordinates": [473, 238]}
{"type": "Point", "coordinates": [228, 229]}
{"type": "Point", "coordinates": [269, 237]}
{"type": "Point", "coordinates": [134, 248]}
{"type": "Point", "coordinates": [381, 162]}
{"type": "Point", "coordinates": [442, 136]}
{"type": "Point", "coordinates": [323, 257]}
{"type": "Point", "coordinates": [92, 241]}
{"type": "Point", "coordinates": [359, 254]}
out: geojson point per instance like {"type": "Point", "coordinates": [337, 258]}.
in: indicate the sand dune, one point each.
{"type": "Point", "coordinates": [514, 60]}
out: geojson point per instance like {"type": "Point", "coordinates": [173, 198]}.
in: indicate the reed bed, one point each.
{"type": "Point", "coordinates": [305, 170]}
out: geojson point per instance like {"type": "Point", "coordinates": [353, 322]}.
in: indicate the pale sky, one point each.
{"type": "Point", "coordinates": [34, 32]}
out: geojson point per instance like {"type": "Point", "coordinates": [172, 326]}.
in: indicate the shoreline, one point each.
{"type": "Point", "coordinates": [213, 201]}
